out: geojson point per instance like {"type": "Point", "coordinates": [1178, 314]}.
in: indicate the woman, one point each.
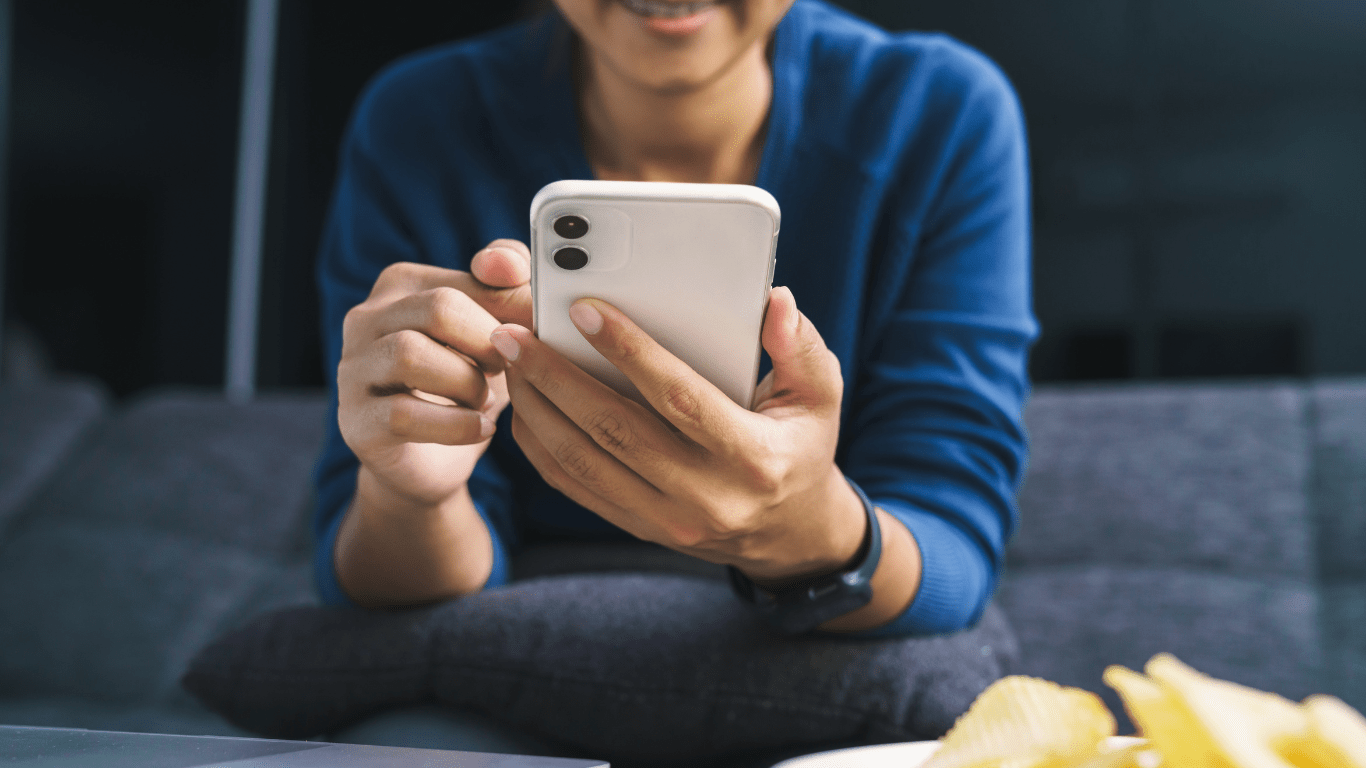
{"type": "Point", "coordinates": [899, 163]}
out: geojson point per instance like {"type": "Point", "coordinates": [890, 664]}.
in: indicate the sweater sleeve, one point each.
{"type": "Point", "coordinates": [937, 433]}
{"type": "Point", "coordinates": [366, 230]}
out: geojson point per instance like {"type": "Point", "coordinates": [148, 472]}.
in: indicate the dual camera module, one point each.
{"type": "Point", "coordinates": [571, 227]}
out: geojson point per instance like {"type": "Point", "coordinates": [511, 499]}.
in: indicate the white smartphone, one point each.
{"type": "Point", "coordinates": [691, 264]}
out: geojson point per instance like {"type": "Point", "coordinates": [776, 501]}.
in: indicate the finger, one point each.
{"type": "Point", "coordinates": [412, 360]}
{"type": "Point", "coordinates": [621, 427]}
{"type": "Point", "coordinates": [508, 305]}
{"type": "Point", "coordinates": [681, 395]}
{"type": "Point", "coordinates": [668, 530]}
{"type": "Point", "coordinates": [447, 315]}
{"type": "Point", "coordinates": [410, 419]}
{"type": "Point", "coordinates": [577, 454]}
{"type": "Point", "coordinates": [764, 391]}
{"type": "Point", "coordinates": [805, 372]}
{"type": "Point", "coordinates": [502, 264]}
{"type": "Point", "coordinates": [559, 479]}
{"type": "Point", "coordinates": [497, 398]}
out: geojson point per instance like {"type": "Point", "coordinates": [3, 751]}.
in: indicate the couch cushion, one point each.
{"type": "Point", "coordinates": [1073, 621]}
{"type": "Point", "coordinates": [40, 422]}
{"type": "Point", "coordinates": [1344, 634]}
{"type": "Point", "coordinates": [1339, 496]}
{"type": "Point", "coordinates": [173, 521]}
{"type": "Point", "coordinates": [1339, 488]}
{"type": "Point", "coordinates": [1203, 476]}
{"type": "Point", "coordinates": [113, 613]}
{"type": "Point", "coordinates": [666, 668]}
{"type": "Point", "coordinates": [192, 464]}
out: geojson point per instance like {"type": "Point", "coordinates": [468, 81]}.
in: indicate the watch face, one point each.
{"type": "Point", "coordinates": [849, 599]}
{"type": "Point", "coordinates": [796, 613]}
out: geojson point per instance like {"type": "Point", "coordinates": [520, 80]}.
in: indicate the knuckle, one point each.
{"type": "Point", "coordinates": [680, 399]}
{"type": "Point", "coordinates": [610, 431]}
{"type": "Point", "coordinates": [398, 273]}
{"type": "Point", "coordinates": [448, 306]}
{"type": "Point", "coordinates": [726, 524]}
{"type": "Point", "coordinates": [353, 320]}
{"type": "Point", "coordinates": [716, 531]}
{"type": "Point", "coordinates": [628, 349]}
{"type": "Point", "coordinates": [406, 352]}
{"type": "Point", "coordinates": [746, 548]}
{"type": "Point", "coordinates": [763, 474]}
{"type": "Point", "coordinates": [688, 537]}
{"type": "Point", "coordinates": [811, 351]}
{"type": "Point", "coordinates": [573, 458]}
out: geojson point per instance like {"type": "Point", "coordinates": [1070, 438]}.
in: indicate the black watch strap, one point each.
{"type": "Point", "coordinates": [802, 607]}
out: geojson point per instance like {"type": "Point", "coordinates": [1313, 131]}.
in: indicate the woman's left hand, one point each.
{"type": "Point", "coordinates": [755, 489]}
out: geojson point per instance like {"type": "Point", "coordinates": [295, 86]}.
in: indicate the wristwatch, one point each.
{"type": "Point", "coordinates": [802, 607]}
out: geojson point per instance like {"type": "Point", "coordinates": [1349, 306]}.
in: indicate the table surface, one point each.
{"type": "Point", "coordinates": [74, 748]}
{"type": "Point", "coordinates": [910, 754]}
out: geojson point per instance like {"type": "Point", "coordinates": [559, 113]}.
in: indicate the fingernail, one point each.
{"type": "Point", "coordinates": [586, 317]}
{"type": "Point", "coordinates": [506, 345]}
{"type": "Point", "coordinates": [486, 426]}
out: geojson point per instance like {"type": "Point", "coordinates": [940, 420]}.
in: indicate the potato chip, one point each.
{"type": "Point", "coordinates": [1024, 722]}
{"type": "Point", "coordinates": [1133, 756]}
{"type": "Point", "coordinates": [1336, 738]}
{"type": "Point", "coordinates": [1189, 720]}
{"type": "Point", "coordinates": [1245, 727]}
{"type": "Point", "coordinates": [1161, 719]}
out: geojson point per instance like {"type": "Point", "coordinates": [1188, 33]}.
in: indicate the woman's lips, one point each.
{"type": "Point", "coordinates": [671, 18]}
{"type": "Point", "coordinates": [685, 25]}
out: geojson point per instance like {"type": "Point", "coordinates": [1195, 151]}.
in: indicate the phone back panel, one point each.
{"type": "Point", "coordinates": [691, 264]}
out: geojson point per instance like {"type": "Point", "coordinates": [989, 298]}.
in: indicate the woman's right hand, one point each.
{"type": "Point", "coordinates": [419, 384]}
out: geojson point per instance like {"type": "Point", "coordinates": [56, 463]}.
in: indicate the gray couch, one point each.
{"type": "Point", "coordinates": [1223, 522]}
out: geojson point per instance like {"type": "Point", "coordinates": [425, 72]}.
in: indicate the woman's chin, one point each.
{"type": "Point", "coordinates": [669, 46]}
{"type": "Point", "coordinates": [677, 73]}
{"type": "Point", "coordinates": [675, 61]}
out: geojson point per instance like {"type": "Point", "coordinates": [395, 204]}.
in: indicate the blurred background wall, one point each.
{"type": "Point", "coordinates": [1200, 177]}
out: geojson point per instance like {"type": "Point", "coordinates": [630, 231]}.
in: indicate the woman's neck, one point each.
{"type": "Point", "coordinates": [713, 133]}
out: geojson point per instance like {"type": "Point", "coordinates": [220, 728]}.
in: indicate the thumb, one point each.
{"type": "Point", "coordinates": [503, 272]}
{"type": "Point", "coordinates": [805, 371]}
{"type": "Point", "coordinates": [497, 398]}
{"type": "Point", "coordinates": [503, 263]}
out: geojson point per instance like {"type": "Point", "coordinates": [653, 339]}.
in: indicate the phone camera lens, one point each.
{"type": "Point", "coordinates": [570, 257]}
{"type": "Point", "coordinates": [571, 227]}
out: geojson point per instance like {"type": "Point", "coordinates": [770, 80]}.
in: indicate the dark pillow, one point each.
{"type": "Point", "coordinates": [641, 666]}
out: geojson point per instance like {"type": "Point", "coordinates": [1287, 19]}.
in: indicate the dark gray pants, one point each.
{"type": "Point", "coordinates": [440, 726]}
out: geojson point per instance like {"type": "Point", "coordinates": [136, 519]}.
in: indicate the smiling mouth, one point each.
{"type": "Point", "coordinates": [664, 9]}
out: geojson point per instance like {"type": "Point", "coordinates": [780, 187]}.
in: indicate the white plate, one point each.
{"type": "Point", "coordinates": [908, 755]}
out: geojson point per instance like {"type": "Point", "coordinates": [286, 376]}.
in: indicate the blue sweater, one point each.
{"type": "Point", "coordinates": [899, 161]}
